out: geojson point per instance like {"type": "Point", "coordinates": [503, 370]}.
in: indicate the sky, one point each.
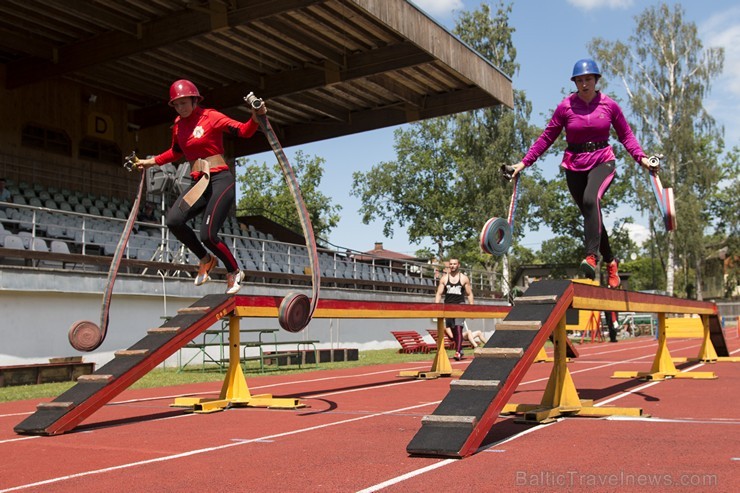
{"type": "Point", "coordinates": [548, 43]}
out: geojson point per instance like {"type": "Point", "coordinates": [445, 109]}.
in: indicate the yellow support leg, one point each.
{"type": "Point", "coordinates": [234, 390]}
{"type": "Point", "coordinates": [561, 397]}
{"type": "Point", "coordinates": [441, 366]}
{"type": "Point", "coordinates": [707, 353]}
{"type": "Point", "coordinates": [560, 391]}
{"type": "Point", "coordinates": [542, 357]}
{"type": "Point", "coordinates": [663, 366]}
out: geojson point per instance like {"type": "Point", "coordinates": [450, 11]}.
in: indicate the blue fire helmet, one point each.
{"type": "Point", "coordinates": [585, 66]}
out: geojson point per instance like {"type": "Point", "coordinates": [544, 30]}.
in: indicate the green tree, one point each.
{"type": "Point", "coordinates": [723, 212]}
{"type": "Point", "coordinates": [445, 183]}
{"type": "Point", "coordinates": [520, 256]}
{"type": "Point", "coordinates": [265, 192]}
{"type": "Point", "coordinates": [620, 240]}
{"type": "Point", "coordinates": [645, 274]}
{"type": "Point", "coordinates": [490, 137]}
{"type": "Point", "coordinates": [561, 250]}
{"type": "Point", "coordinates": [420, 190]}
{"type": "Point", "coordinates": [666, 74]}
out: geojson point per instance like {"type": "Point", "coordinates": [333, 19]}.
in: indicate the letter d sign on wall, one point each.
{"type": "Point", "coordinates": [100, 126]}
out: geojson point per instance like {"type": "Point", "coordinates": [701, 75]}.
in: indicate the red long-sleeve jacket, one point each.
{"type": "Point", "coordinates": [200, 135]}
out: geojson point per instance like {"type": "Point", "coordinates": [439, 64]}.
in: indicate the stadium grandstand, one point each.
{"type": "Point", "coordinates": [84, 83]}
{"type": "Point", "coordinates": [66, 222]}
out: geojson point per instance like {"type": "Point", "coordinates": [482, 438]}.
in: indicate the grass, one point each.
{"type": "Point", "coordinates": [171, 376]}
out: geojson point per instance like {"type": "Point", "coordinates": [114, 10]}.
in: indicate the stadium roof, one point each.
{"type": "Point", "coordinates": [327, 67]}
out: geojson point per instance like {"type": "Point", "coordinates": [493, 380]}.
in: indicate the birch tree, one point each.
{"type": "Point", "coordinates": [666, 73]}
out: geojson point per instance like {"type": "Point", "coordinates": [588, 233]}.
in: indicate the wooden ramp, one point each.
{"type": "Point", "coordinates": [465, 416]}
{"type": "Point", "coordinates": [463, 419]}
{"type": "Point", "coordinates": [94, 391]}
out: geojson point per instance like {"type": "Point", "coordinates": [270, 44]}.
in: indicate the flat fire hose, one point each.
{"type": "Point", "coordinates": [295, 310]}
{"type": "Point", "coordinates": [85, 335]}
{"type": "Point", "coordinates": [664, 196]}
{"type": "Point", "coordinates": [496, 235]}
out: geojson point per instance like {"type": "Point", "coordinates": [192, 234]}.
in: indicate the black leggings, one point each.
{"type": "Point", "coordinates": [216, 201]}
{"type": "Point", "coordinates": [587, 188]}
{"type": "Point", "coordinates": [457, 331]}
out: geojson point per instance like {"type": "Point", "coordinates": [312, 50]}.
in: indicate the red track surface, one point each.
{"type": "Point", "coordinates": [353, 436]}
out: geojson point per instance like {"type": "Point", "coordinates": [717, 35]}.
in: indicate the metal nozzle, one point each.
{"type": "Point", "coordinates": [130, 161]}
{"type": "Point", "coordinates": [507, 171]}
{"type": "Point", "coordinates": [253, 101]}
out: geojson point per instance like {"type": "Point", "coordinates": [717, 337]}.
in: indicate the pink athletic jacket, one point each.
{"type": "Point", "coordinates": [586, 122]}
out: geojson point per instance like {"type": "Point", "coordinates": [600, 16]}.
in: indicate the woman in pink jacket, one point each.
{"type": "Point", "coordinates": [587, 117]}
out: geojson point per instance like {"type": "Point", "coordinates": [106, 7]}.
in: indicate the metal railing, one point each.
{"type": "Point", "coordinates": [91, 234]}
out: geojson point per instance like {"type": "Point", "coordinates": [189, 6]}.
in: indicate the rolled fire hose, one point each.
{"type": "Point", "coordinates": [296, 309]}
{"type": "Point", "coordinates": [85, 335]}
{"type": "Point", "coordinates": [496, 235]}
{"type": "Point", "coordinates": [664, 196]}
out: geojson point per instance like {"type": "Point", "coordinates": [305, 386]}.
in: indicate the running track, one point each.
{"type": "Point", "coordinates": [353, 436]}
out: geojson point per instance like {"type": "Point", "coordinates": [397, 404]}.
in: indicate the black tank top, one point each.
{"type": "Point", "coordinates": [454, 291]}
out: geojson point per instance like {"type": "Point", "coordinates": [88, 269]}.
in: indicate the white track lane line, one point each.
{"type": "Point", "coordinates": [190, 453]}
{"type": "Point", "coordinates": [602, 365]}
{"type": "Point", "coordinates": [622, 342]}
{"type": "Point", "coordinates": [718, 421]}
{"type": "Point", "coordinates": [442, 463]}
{"type": "Point", "coordinates": [163, 397]}
{"type": "Point", "coordinates": [282, 384]}
{"type": "Point", "coordinates": [408, 475]}
{"type": "Point", "coordinates": [650, 384]}
{"type": "Point", "coordinates": [445, 462]}
{"type": "Point", "coordinates": [214, 391]}
{"type": "Point", "coordinates": [19, 439]}
{"type": "Point", "coordinates": [10, 415]}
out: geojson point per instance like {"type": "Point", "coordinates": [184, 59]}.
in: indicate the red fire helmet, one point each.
{"type": "Point", "coordinates": [183, 88]}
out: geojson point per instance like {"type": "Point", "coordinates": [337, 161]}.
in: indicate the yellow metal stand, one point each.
{"type": "Point", "coordinates": [663, 366]}
{"type": "Point", "coordinates": [561, 396]}
{"type": "Point", "coordinates": [234, 391]}
{"type": "Point", "coordinates": [441, 366]}
{"type": "Point", "coordinates": [542, 357]}
{"type": "Point", "coordinates": [707, 353]}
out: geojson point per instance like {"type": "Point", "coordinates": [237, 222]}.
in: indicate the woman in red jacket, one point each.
{"type": "Point", "coordinates": [197, 135]}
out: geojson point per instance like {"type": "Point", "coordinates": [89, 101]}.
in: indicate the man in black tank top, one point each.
{"type": "Point", "coordinates": [456, 287]}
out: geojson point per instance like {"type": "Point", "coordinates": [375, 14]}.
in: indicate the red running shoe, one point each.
{"type": "Point", "coordinates": [588, 267]}
{"type": "Point", "coordinates": [612, 269]}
